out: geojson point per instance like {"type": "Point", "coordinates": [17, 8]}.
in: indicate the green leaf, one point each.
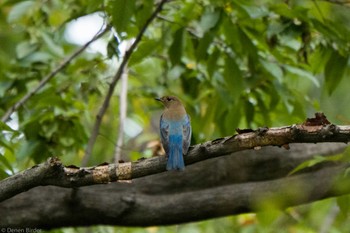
{"type": "Point", "coordinates": [5, 85]}
{"type": "Point", "coordinates": [143, 12]}
{"type": "Point", "coordinates": [113, 47]}
{"type": "Point", "coordinates": [6, 163]}
{"type": "Point", "coordinates": [231, 118]}
{"type": "Point", "coordinates": [28, 149]}
{"type": "Point", "coordinates": [25, 48]}
{"type": "Point", "coordinates": [209, 19]}
{"type": "Point", "coordinates": [232, 35]}
{"type": "Point", "coordinates": [49, 129]}
{"type": "Point", "coordinates": [175, 50]}
{"type": "Point", "coordinates": [202, 48]}
{"type": "Point", "coordinates": [4, 126]}
{"type": "Point", "coordinates": [343, 204]}
{"type": "Point", "coordinates": [274, 69]}
{"type": "Point", "coordinates": [309, 163]}
{"type": "Point", "coordinates": [334, 70]}
{"type": "Point", "coordinates": [52, 45]}
{"type": "Point", "coordinates": [296, 12]}
{"type": "Point", "coordinates": [6, 145]}
{"type": "Point", "coordinates": [67, 141]}
{"type": "Point", "coordinates": [212, 62]}
{"type": "Point", "coordinates": [233, 77]}
{"type": "Point", "coordinates": [249, 111]}
{"type": "Point", "coordinates": [270, 214]}
{"type": "Point", "coordinates": [122, 12]}
{"type": "Point", "coordinates": [3, 174]}
{"type": "Point", "coordinates": [42, 57]}
{"type": "Point", "coordinates": [19, 10]}
{"type": "Point", "coordinates": [302, 73]}
{"type": "Point", "coordinates": [264, 111]}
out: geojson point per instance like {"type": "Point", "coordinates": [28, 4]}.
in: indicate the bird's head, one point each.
{"type": "Point", "coordinates": [169, 101]}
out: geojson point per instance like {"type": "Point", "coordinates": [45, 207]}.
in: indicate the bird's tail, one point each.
{"type": "Point", "coordinates": [175, 159]}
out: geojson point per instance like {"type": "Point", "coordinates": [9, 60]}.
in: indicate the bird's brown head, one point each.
{"type": "Point", "coordinates": [169, 101]}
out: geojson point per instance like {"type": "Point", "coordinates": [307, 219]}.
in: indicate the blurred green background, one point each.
{"type": "Point", "coordinates": [234, 64]}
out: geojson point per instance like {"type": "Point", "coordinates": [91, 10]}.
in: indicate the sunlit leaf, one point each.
{"type": "Point", "coordinates": [20, 10]}
{"type": "Point", "coordinates": [302, 73]}
{"type": "Point", "coordinates": [209, 19]}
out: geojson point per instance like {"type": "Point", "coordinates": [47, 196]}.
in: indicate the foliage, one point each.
{"type": "Point", "coordinates": [234, 63]}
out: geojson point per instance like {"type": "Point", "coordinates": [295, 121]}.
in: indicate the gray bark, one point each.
{"type": "Point", "coordinates": [231, 184]}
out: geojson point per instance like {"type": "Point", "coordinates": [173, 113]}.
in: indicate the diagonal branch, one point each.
{"type": "Point", "coordinates": [117, 76]}
{"type": "Point", "coordinates": [53, 172]}
{"type": "Point", "coordinates": [141, 204]}
{"type": "Point", "coordinates": [48, 77]}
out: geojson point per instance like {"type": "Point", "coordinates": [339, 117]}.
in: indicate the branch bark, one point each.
{"type": "Point", "coordinates": [237, 183]}
{"type": "Point", "coordinates": [52, 172]}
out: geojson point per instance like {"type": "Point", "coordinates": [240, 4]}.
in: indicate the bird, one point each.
{"type": "Point", "coordinates": [175, 132]}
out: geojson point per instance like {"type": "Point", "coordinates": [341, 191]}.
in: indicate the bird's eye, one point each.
{"type": "Point", "coordinates": [169, 99]}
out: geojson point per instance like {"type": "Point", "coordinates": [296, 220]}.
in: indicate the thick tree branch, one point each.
{"type": "Point", "coordinates": [117, 76]}
{"type": "Point", "coordinates": [48, 77]}
{"type": "Point", "coordinates": [53, 172]}
{"type": "Point", "coordinates": [233, 184]}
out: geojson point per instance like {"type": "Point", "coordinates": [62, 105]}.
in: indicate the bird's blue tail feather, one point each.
{"type": "Point", "coordinates": [175, 159]}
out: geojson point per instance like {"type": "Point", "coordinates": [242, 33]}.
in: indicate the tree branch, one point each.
{"type": "Point", "coordinates": [238, 183]}
{"type": "Point", "coordinates": [48, 77]}
{"type": "Point", "coordinates": [53, 172]}
{"type": "Point", "coordinates": [117, 76]}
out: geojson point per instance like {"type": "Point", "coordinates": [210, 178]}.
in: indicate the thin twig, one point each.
{"type": "Point", "coordinates": [116, 78]}
{"type": "Point", "coordinates": [48, 77]}
{"type": "Point", "coordinates": [122, 115]}
{"type": "Point", "coordinates": [122, 111]}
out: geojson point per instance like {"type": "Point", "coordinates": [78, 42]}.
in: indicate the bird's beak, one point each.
{"type": "Point", "coordinates": [158, 99]}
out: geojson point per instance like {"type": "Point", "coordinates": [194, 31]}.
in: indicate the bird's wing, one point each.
{"type": "Point", "coordinates": [187, 131]}
{"type": "Point", "coordinates": [164, 133]}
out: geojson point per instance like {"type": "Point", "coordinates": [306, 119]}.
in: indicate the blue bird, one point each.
{"type": "Point", "coordinates": [175, 132]}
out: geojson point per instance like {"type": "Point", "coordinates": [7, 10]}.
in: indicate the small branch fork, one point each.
{"type": "Point", "coordinates": [53, 172]}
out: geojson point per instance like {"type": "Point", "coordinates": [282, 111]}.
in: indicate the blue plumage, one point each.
{"type": "Point", "coordinates": [175, 159]}
{"type": "Point", "coordinates": [175, 132]}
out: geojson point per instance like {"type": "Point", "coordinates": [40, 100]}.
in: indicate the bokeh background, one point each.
{"type": "Point", "coordinates": [234, 64]}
